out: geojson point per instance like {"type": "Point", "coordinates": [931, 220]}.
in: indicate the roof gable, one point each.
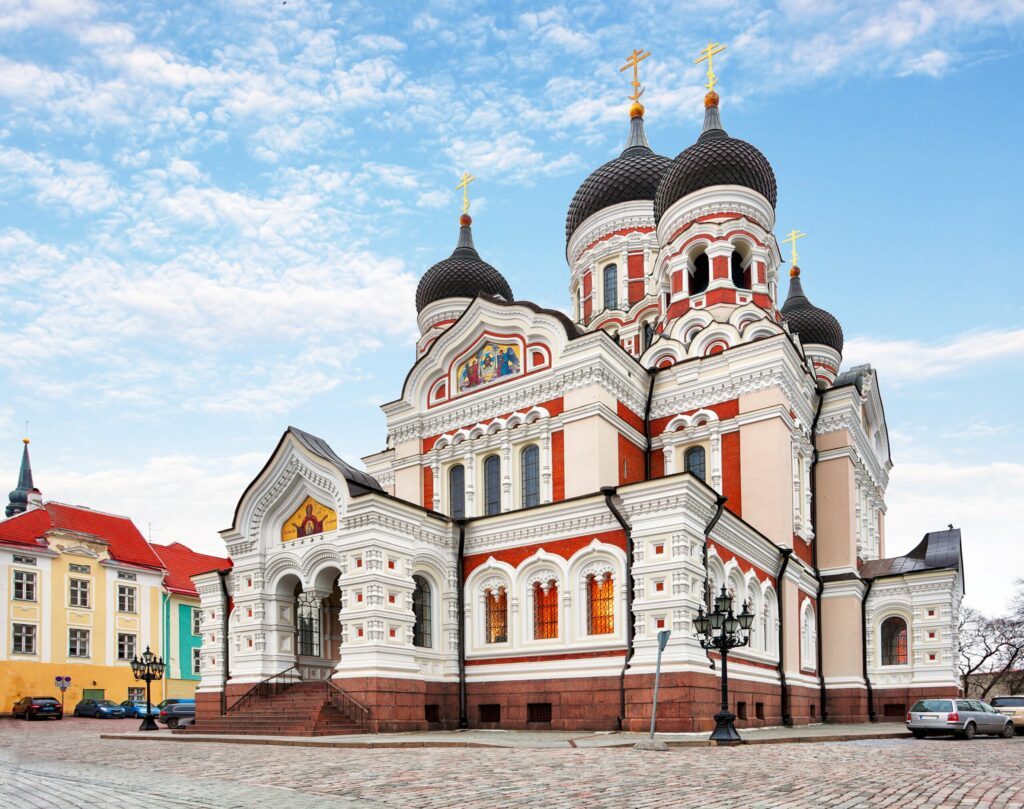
{"type": "Point", "coordinates": [182, 563]}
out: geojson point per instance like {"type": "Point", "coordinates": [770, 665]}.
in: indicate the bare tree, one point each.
{"type": "Point", "coordinates": [992, 649]}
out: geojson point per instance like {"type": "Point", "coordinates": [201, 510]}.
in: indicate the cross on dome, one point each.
{"type": "Point", "coordinates": [791, 241]}
{"type": "Point", "coordinates": [710, 50]}
{"type": "Point", "coordinates": [633, 61]}
{"type": "Point", "coordinates": [467, 178]}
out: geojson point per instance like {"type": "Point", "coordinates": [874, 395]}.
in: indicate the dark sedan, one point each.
{"type": "Point", "coordinates": [99, 708]}
{"type": "Point", "coordinates": [38, 708]}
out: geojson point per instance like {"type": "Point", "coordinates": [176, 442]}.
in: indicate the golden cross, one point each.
{"type": "Point", "coordinates": [793, 236]}
{"type": "Point", "coordinates": [467, 178]}
{"type": "Point", "coordinates": [634, 60]}
{"type": "Point", "coordinates": [710, 50]}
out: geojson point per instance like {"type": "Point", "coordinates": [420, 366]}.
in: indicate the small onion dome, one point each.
{"type": "Point", "coordinates": [632, 175]}
{"type": "Point", "coordinates": [814, 325]}
{"type": "Point", "coordinates": [462, 275]}
{"type": "Point", "coordinates": [715, 159]}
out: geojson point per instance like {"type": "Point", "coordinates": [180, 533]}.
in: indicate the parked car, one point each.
{"type": "Point", "coordinates": [178, 714]}
{"type": "Point", "coordinates": [99, 708]}
{"type": "Point", "coordinates": [136, 709]}
{"type": "Point", "coordinates": [37, 708]}
{"type": "Point", "coordinates": [960, 717]}
{"type": "Point", "coordinates": [173, 701]}
{"type": "Point", "coordinates": [1012, 707]}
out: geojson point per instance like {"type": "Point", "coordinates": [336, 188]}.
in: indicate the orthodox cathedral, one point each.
{"type": "Point", "coordinates": [556, 491]}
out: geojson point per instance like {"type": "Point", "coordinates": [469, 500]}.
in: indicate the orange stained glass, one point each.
{"type": "Point", "coordinates": [497, 616]}
{"type": "Point", "coordinates": [600, 605]}
{"type": "Point", "coordinates": [545, 611]}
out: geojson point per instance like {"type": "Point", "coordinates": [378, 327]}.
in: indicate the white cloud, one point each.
{"type": "Point", "coordinates": [85, 187]}
{"type": "Point", "coordinates": [17, 15]}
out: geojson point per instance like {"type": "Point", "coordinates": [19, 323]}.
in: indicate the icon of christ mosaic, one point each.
{"type": "Point", "coordinates": [309, 519]}
{"type": "Point", "coordinates": [491, 362]}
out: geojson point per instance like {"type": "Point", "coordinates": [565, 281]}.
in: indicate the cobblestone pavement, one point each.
{"type": "Point", "coordinates": [66, 764]}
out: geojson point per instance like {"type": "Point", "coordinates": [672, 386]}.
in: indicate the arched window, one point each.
{"type": "Point", "coordinates": [809, 649]}
{"type": "Point", "coordinates": [894, 642]}
{"type": "Point", "coordinates": [492, 485]}
{"type": "Point", "coordinates": [307, 624]}
{"type": "Point", "coordinates": [600, 604]}
{"type": "Point", "coordinates": [457, 492]}
{"type": "Point", "coordinates": [740, 277]}
{"type": "Point", "coordinates": [700, 276]}
{"type": "Point", "coordinates": [497, 615]}
{"type": "Point", "coordinates": [545, 610]}
{"type": "Point", "coordinates": [648, 335]}
{"type": "Point", "coordinates": [611, 287]}
{"type": "Point", "coordinates": [421, 605]}
{"type": "Point", "coordinates": [529, 459]}
{"type": "Point", "coordinates": [694, 462]}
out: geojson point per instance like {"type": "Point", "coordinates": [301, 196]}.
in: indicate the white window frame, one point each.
{"type": "Point", "coordinates": [82, 640]}
{"type": "Point", "coordinates": [197, 621]}
{"type": "Point", "coordinates": [128, 653]}
{"type": "Point", "coordinates": [136, 694]}
{"type": "Point", "coordinates": [74, 591]}
{"type": "Point", "coordinates": [32, 635]}
{"type": "Point", "coordinates": [27, 583]}
{"type": "Point", "coordinates": [197, 661]}
{"type": "Point", "coordinates": [126, 593]}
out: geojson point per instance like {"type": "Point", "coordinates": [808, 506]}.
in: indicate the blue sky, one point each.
{"type": "Point", "coordinates": [214, 216]}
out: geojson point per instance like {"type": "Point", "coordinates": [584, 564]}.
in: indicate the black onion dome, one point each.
{"type": "Point", "coordinates": [462, 275]}
{"type": "Point", "coordinates": [814, 325]}
{"type": "Point", "coordinates": [715, 159]}
{"type": "Point", "coordinates": [634, 174]}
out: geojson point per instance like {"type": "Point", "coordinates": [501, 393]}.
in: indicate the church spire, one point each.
{"type": "Point", "coordinates": [19, 497]}
{"type": "Point", "coordinates": [712, 120]}
{"type": "Point", "coordinates": [637, 142]}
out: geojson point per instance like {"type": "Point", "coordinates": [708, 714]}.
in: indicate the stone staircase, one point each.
{"type": "Point", "coordinates": [301, 709]}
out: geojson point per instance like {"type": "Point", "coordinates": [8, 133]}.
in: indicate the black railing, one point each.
{"type": "Point", "coordinates": [270, 687]}
{"type": "Point", "coordinates": [348, 705]}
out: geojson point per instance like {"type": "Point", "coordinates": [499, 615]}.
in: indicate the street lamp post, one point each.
{"type": "Point", "coordinates": [721, 630]}
{"type": "Point", "coordinates": [148, 667]}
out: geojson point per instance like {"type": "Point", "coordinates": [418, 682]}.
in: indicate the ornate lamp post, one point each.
{"type": "Point", "coordinates": [722, 630]}
{"type": "Point", "coordinates": [148, 667]}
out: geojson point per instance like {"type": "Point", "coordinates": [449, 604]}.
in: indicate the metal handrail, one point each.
{"type": "Point", "coordinates": [348, 704]}
{"type": "Point", "coordinates": [265, 688]}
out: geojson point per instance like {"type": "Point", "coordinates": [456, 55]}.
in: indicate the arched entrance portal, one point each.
{"type": "Point", "coordinates": [317, 626]}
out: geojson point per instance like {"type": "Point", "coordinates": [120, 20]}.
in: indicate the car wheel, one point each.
{"type": "Point", "coordinates": [968, 732]}
{"type": "Point", "coordinates": [1008, 731]}
{"type": "Point", "coordinates": [172, 723]}
{"type": "Point", "coordinates": [60, 717]}
{"type": "Point", "coordinates": [918, 734]}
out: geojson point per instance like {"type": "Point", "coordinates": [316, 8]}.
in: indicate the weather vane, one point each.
{"type": "Point", "coordinates": [791, 239]}
{"type": "Point", "coordinates": [711, 50]}
{"type": "Point", "coordinates": [467, 178]}
{"type": "Point", "coordinates": [634, 60]}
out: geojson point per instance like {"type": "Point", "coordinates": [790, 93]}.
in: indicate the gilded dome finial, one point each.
{"type": "Point", "coordinates": [633, 61]}
{"type": "Point", "coordinates": [467, 178]}
{"type": "Point", "coordinates": [794, 271]}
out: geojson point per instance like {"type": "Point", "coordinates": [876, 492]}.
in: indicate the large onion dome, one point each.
{"type": "Point", "coordinates": [632, 175]}
{"type": "Point", "coordinates": [462, 275]}
{"type": "Point", "coordinates": [715, 159]}
{"type": "Point", "coordinates": [814, 325]}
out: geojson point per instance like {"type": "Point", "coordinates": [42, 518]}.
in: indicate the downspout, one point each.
{"type": "Point", "coordinates": [609, 493]}
{"type": "Point", "coordinates": [787, 716]}
{"type": "Point", "coordinates": [461, 573]}
{"type": "Point", "coordinates": [720, 501]}
{"type": "Point", "coordinates": [224, 641]}
{"type": "Point", "coordinates": [647, 425]}
{"type": "Point", "coordinates": [814, 553]}
{"type": "Point", "coordinates": [872, 717]}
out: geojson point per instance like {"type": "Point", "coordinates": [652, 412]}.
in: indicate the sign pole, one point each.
{"type": "Point", "coordinates": [652, 743]}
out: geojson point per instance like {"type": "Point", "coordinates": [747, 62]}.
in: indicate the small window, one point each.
{"type": "Point", "coordinates": [23, 639]}
{"type": "Point", "coordinates": [125, 646]}
{"type": "Point", "coordinates": [492, 485]}
{"type": "Point", "coordinates": [421, 606]}
{"type": "Point", "coordinates": [538, 712]}
{"type": "Point", "coordinates": [545, 610]}
{"type": "Point", "coordinates": [78, 568]}
{"type": "Point", "coordinates": [694, 462]}
{"type": "Point", "coordinates": [126, 576]}
{"type": "Point", "coordinates": [741, 710]}
{"type": "Point", "coordinates": [136, 694]}
{"type": "Point", "coordinates": [611, 287]}
{"type": "Point", "coordinates": [24, 585]}
{"type": "Point", "coordinates": [125, 598]}
{"type": "Point", "coordinates": [530, 461]}
{"type": "Point", "coordinates": [490, 714]}
{"type": "Point", "coordinates": [197, 622]}
{"type": "Point", "coordinates": [457, 492]}
{"type": "Point", "coordinates": [197, 661]}
{"type": "Point", "coordinates": [24, 560]}
{"type": "Point", "coordinates": [79, 593]}
{"type": "Point", "coordinates": [648, 335]}
{"type": "Point", "coordinates": [78, 643]}
{"type": "Point", "coordinates": [759, 710]}
{"type": "Point", "coordinates": [600, 605]}
{"type": "Point", "coordinates": [894, 642]}
{"type": "Point", "coordinates": [497, 615]}
{"type": "Point", "coordinates": [432, 713]}
{"type": "Point", "coordinates": [893, 709]}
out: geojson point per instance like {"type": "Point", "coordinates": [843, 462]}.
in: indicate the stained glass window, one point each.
{"type": "Point", "coordinates": [894, 642]}
{"type": "Point", "coordinates": [457, 492]}
{"type": "Point", "coordinates": [492, 485]}
{"type": "Point", "coordinates": [600, 605]}
{"type": "Point", "coordinates": [421, 604]}
{"type": "Point", "coordinates": [530, 459]}
{"type": "Point", "coordinates": [611, 283]}
{"type": "Point", "coordinates": [694, 462]}
{"type": "Point", "coordinates": [497, 616]}
{"type": "Point", "coordinates": [545, 610]}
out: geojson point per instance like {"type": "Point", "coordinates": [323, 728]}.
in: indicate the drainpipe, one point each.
{"type": "Point", "coordinates": [787, 716]}
{"type": "Point", "coordinates": [872, 717]}
{"type": "Point", "coordinates": [609, 493]}
{"type": "Point", "coordinates": [720, 502]}
{"type": "Point", "coordinates": [224, 641]}
{"type": "Point", "coordinates": [461, 573]}
{"type": "Point", "coordinates": [817, 573]}
{"type": "Point", "coordinates": [647, 426]}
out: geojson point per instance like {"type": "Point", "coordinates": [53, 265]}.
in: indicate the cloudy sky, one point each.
{"type": "Point", "coordinates": [214, 216]}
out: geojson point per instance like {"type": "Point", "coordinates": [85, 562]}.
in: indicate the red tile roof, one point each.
{"type": "Point", "coordinates": [182, 563]}
{"type": "Point", "coordinates": [125, 542]}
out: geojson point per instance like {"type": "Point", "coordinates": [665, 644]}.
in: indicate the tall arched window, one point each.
{"type": "Point", "coordinates": [694, 462]}
{"type": "Point", "coordinates": [600, 604]}
{"type": "Point", "coordinates": [529, 459]}
{"type": "Point", "coordinates": [457, 492]}
{"type": "Point", "coordinates": [611, 287]}
{"type": "Point", "coordinates": [648, 335]}
{"type": "Point", "coordinates": [894, 642]}
{"type": "Point", "coordinates": [497, 616]}
{"type": "Point", "coordinates": [307, 624]}
{"type": "Point", "coordinates": [700, 276]}
{"type": "Point", "coordinates": [421, 606]}
{"type": "Point", "coordinates": [545, 610]}
{"type": "Point", "coordinates": [809, 648]}
{"type": "Point", "coordinates": [492, 485]}
{"type": "Point", "coordinates": [740, 277]}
